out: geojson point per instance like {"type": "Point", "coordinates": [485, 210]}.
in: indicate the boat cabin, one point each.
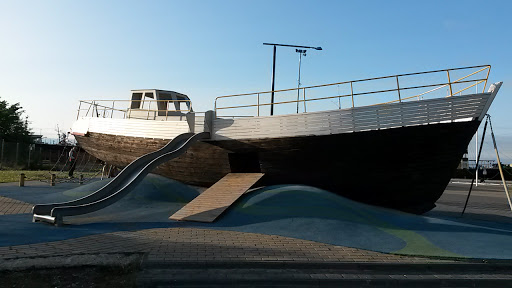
{"type": "Point", "coordinates": [153, 104]}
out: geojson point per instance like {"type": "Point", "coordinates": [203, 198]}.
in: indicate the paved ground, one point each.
{"type": "Point", "coordinates": [172, 244]}
{"type": "Point", "coordinates": [202, 245]}
{"type": "Point", "coordinates": [12, 206]}
{"type": "Point", "coordinates": [488, 201]}
{"type": "Point", "coordinates": [166, 251]}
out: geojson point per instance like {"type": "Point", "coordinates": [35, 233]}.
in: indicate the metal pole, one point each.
{"type": "Point", "coordinates": [449, 82]}
{"type": "Point", "coordinates": [273, 82]}
{"type": "Point", "coordinates": [352, 94]}
{"type": "Point", "coordinates": [486, 77]}
{"type": "Point", "coordinates": [167, 110]}
{"type": "Point", "coordinates": [339, 98]}
{"type": "Point", "coordinates": [298, 82]}
{"type": "Point", "coordinates": [304, 94]}
{"type": "Point", "coordinates": [29, 150]}
{"type": "Point", "coordinates": [274, 69]}
{"type": "Point", "coordinates": [258, 104]}
{"type": "Point", "coordinates": [398, 89]}
{"type": "Point", "coordinates": [499, 164]}
{"type": "Point", "coordinates": [477, 161]}
{"type": "Point", "coordinates": [2, 153]}
{"type": "Point", "coordinates": [149, 108]}
{"type": "Point", "coordinates": [476, 155]}
{"type": "Point", "coordinates": [17, 150]}
{"type": "Point", "coordinates": [79, 106]}
{"type": "Point", "coordinates": [97, 113]}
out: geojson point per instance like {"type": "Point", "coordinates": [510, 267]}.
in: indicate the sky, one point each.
{"type": "Point", "coordinates": [55, 53]}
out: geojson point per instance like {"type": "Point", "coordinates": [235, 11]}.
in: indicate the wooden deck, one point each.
{"type": "Point", "coordinates": [212, 202]}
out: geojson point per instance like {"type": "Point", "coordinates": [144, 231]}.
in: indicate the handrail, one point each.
{"type": "Point", "coordinates": [86, 105]}
{"type": "Point", "coordinates": [107, 111]}
{"type": "Point", "coordinates": [399, 88]}
{"type": "Point", "coordinates": [357, 94]}
{"type": "Point", "coordinates": [359, 80]}
{"type": "Point", "coordinates": [117, 100]}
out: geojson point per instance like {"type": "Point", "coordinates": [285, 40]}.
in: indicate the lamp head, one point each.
{"type": "Point", "coordinates": [303, 52]}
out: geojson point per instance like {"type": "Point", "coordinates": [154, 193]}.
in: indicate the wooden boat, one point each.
{"type": "Point", "coordinates": [398, 153]}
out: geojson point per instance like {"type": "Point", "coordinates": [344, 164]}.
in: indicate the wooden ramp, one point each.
{"type": "Point", "coordinates": [211, 203]}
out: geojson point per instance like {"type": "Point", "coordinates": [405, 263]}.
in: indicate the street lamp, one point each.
{"type": "Point", "coordinates": [274, 69]}
{"type": "Point", "coordinates": [301, 52]}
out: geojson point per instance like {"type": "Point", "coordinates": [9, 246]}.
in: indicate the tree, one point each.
{"type": "Point", "coordinates": [12, 126]}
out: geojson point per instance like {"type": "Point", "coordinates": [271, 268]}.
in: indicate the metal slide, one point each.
{"type": "Point", "coordinates": [121, 185]}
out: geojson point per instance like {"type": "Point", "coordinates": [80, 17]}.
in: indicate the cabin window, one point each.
{"type": "Point", "coordinates": [147, 102]}
{"type": "Point", "coordinates": [168, 104]}
{"type": "Point", "coordinates": [136, 100]}
{"type": "Point", "coordinates": [143, 101]}
{"type": "Point", "coordinates": [164, 106]}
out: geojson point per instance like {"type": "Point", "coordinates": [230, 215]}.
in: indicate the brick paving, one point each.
{"type": "Point", "coordinates": [309, 274]}
{"type": "Point", "coordinates": [12, 206]}
{"type": "Point", "coordinates": [200, 245]}
{"type": "Point", "coordinates": [203, 245]}
{"type": "Point", "coordinates": [186, 248]}
{"type": "Point", "coordinates": [193, 245]}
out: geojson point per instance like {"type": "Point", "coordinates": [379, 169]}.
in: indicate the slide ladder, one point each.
{"type": "Point", "coordinates": [211, 203]}
{"type": "Point", "coordinates": [121, 185]}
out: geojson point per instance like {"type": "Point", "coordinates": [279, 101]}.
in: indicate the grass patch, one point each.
{"type": "Point", "coordinates": [14, 175]}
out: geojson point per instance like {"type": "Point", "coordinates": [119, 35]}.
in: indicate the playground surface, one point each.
{"type": "Point", "coordinates": [277, 226]}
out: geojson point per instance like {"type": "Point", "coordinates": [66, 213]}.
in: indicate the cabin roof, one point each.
{"type": "Point", "coordinates": [175, 94]}
{"type": "Point", "coordinates": [155, 90]}
{"type": "Point", "coordinates": [152, 90]}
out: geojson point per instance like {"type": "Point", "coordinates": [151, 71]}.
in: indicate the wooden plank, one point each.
{"type": "Point", "coordinates": [211, 203]}
{"type": "Point", "coordinates": [138, 128]}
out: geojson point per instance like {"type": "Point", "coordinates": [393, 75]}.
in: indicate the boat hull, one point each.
{"type": "Point", "coordinates": [404, 168]}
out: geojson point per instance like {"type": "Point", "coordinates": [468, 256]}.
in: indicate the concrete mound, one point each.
{"type": "Point", "coordinates": [313, 214]}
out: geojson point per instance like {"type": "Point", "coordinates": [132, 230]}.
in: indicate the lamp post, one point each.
{"type": "Point", "coordinates": [274, 69]}
{"type": "Point", "coordinates": [301, 52]}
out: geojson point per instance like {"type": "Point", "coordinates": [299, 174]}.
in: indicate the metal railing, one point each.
{"type": "Point", "coordinates": [103, 109]}
{"type": "Point", "coordinates": [400, 89]}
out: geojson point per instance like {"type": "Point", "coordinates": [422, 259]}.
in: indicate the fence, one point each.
{"type": "Point", "coordinates": [358, 93]}
{"type": "Point", "coordinates": [122, 109]}
{"type": "Point", "coordinates": [39, 156]}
